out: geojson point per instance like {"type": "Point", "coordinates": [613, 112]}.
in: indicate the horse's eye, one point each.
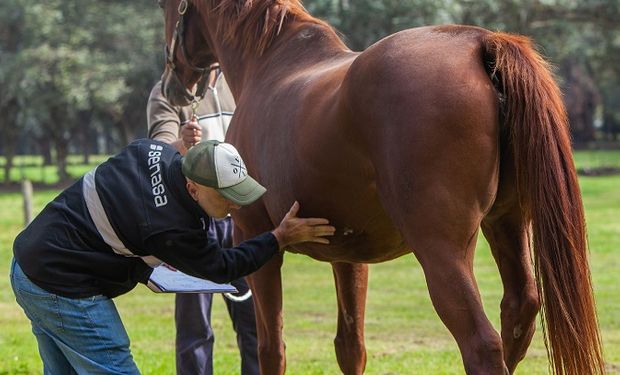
{"type": "Point", "coordinates": [161, 3]}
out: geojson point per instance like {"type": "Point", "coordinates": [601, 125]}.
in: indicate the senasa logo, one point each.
{"type": "Point", "coordinates": [157, 186]}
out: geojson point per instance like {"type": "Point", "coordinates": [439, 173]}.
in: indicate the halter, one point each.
{"type": "Point", "coordinates": [177, 38]}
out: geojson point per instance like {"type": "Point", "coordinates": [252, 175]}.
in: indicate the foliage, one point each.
{"type": "Point", "coordinates": [75, 74]}
{"type": "Point", "coordinates": [68, 66]}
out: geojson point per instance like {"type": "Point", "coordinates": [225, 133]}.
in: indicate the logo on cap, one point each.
{"type": "Point", "coordinates": [239, 168]}
{"type": "Point", "coordinates": [229, 167]}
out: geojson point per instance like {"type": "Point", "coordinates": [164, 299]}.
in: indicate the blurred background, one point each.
{"type": "Point", "coordinates": [75, 74]}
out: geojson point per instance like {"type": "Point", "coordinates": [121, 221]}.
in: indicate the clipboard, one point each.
{"type": "Point", "coordinates": [166, 280]}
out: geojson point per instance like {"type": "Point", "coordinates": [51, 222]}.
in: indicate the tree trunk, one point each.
{"type": "Point", "coordinates": [125, 132]}
{"type": "Point", "coordinates": [611, 126]}
{"type": "Point", "coordinates": [581, 99]}
{"type": "Point", "coordinates": [10, 132]}
{"type": "Point", "coordinates": [85, 118]}
{"type": "Point", "coordinates": [7, 169]}
{"type": "Point", "coordinates": [45, 148]}
{"type": "Point", "coordinates": [61, 160]}
{"type": "Point", "coordinates": [10, 147]}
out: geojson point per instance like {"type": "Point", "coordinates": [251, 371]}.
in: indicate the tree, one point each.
{"type": "Point", "coordinates": [76, 68]}
{"type": "Point", "coordinates": [10, 98]}
{"type": "Point", "coordinates": [76, 72]}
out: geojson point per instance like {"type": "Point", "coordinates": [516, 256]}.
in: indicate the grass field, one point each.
{"type": "Point", "coordinates": [597, 159]}
{"type": "Point", "coordinates": [403, 333]}
{"type": "Point", "coordinates": [32, 168]}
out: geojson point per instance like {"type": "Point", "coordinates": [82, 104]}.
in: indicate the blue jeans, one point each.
{"type": "Point", "coordinates": [75, 336]}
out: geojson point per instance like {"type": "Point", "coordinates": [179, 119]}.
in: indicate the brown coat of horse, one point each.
{"type": "Point", "coordinates": [409, 146]}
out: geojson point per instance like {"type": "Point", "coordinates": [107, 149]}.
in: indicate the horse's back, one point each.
{"type": "Point", "coordinates": [441, 67]}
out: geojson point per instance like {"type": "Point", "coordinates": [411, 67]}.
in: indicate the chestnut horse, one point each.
{"type": "Point", "coordinates": [409, 146]}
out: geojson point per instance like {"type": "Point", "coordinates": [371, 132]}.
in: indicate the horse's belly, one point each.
{"type": "Point", "coordinates": [379, 243]}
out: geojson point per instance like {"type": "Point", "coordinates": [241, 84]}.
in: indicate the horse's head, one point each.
{"type": "Point", "coordinates": [238, 33]}
{"type": "Point", "coordinates": [188, 56]}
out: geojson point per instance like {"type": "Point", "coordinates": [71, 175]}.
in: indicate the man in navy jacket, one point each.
{"type": "Point", "coordinates": [101, 236]}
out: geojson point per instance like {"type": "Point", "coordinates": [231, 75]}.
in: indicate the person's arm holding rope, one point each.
{"type": "Point", "coordinates": [165, 122]}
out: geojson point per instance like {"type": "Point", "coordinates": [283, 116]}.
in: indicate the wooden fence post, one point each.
{"type": "Point", "coordinates": [27, 194]}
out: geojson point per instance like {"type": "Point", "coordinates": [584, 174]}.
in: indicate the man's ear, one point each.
{"type": "Point", "coordinates": [192, 189]}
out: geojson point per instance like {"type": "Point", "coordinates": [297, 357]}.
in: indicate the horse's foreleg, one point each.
{"type": "Point", "coordinates": [506, 235]}
{"type": "Point", "coordinates": [455, 295]}
{"type": "Point", "coordinates": [351, 286]}
{"type": "Point", "coordinates": [266, 286]}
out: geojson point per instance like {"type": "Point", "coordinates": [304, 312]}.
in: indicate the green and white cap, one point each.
{"type": "Point", "coordinates": [218, 165]}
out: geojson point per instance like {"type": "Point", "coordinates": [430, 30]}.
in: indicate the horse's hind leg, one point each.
{"type": "Point", "coordinates": [506, 233]}
{"type": "Point", "coordinates": [351, 287]}
{"type": "Point", "coordinates": [455, 296]}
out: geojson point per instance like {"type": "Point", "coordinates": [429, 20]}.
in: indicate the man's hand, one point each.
{"type": "Point", "coordinates": [293, 230]}
{"type": "Point", "coordinates": [191, 133]}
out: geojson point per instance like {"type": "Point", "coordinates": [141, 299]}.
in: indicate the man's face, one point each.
{"type": "Point", "coordinates": [212, 202]}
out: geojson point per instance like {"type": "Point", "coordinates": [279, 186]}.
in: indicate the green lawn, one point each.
{"type": "Point", "coordinates": [597, 159]}
{"type": "Point", "coordinates": [32, 168]}
{"type": "Point", "coordinates": [403, 333]}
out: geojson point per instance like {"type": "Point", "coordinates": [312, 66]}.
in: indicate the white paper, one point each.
{"type": "Point", "coordinates": [163, 279]}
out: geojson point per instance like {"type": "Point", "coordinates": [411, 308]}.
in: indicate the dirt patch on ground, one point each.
{"type": "Point", "coordinates": [612, 368]}
{"type": "Point", "coordinates": [602, 171]}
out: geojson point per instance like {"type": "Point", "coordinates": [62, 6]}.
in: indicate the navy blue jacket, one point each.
{"type": "Point", "coordinates": [140, 198]}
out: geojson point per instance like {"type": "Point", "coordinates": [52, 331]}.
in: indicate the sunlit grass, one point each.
{"type": "Point", "coordinates": [403, 333]}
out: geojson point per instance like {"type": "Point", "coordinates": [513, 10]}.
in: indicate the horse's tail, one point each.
{"type": "Point", "coordinates": [549, 196]}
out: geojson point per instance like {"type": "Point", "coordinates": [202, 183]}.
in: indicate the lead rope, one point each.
{"type": "Point", "coordinates": [193, 116]}
{"type": "Point", "coordinates": [195, 103]}
{"type": "Point", "coordinates": [218, 104]}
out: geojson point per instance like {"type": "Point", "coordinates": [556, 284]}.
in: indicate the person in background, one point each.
{"type": "Point", "coordinates": [183, 127]}
{"type": "Point", "coordinates": [104, 234]}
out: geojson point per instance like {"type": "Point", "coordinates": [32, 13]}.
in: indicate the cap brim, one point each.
{"type": "Point", "coordinates": [243, 193]}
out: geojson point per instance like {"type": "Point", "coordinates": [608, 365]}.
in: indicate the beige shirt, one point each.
{"type": "Point", "coordinates": [214, 113]}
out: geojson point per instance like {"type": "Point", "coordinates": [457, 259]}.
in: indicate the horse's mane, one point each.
{"type": "Point", "coordinates": [254, 24]}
